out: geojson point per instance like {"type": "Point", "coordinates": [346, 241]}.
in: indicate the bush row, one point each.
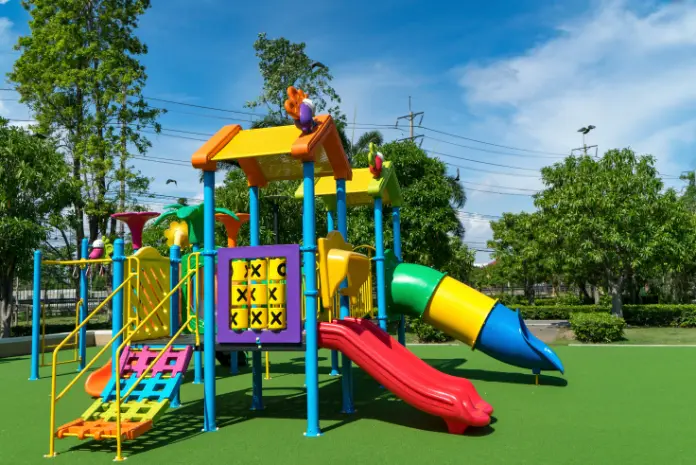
{"type": "Point", "coordinates": [682, 316]}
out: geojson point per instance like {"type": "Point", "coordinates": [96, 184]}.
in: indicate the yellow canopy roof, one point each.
{"type": "Point", "coordinates": [361, 190]}
{"type": "Point", "coordinates": [277, 153]}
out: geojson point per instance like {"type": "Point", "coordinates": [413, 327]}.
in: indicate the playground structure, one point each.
{"type": "Point", "coordinates": [279, 297]}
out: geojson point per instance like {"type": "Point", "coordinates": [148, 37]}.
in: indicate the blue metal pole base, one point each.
{"type": "Point", "coordinates": [257, 381]}
{"type": "Point", "coordinates": [334, 363]}
{"type": "Point", "coordinates": [234, 363]}
{"type": "Point", "coordinates": [176, 400]}
{"type": "Point", "coordinates": [197, 367]}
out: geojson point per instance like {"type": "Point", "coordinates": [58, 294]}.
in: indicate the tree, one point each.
{"type": "Point", "coordinates": [35, 187]}
{"type": "Point", "coordinates": [432, 232]}
{"type": "Point", "coordinates": [283, 64]}
{"type": "Point", "coordinates": [363, 143]}
{"type": "Point", "coordinates": [608, 219]}
{"type": "Point", "coordinates": [517, 250]}
{"type": "Point", "coordinates": [79, 74]}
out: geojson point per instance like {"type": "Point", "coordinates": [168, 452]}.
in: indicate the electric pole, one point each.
{"type": "Point", "coordinates": [411, 118]}
{"type": "Point", "coordinates": [584, 131]}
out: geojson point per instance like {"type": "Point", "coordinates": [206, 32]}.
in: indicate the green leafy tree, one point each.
{"type": "Point", "coordinates": [79, 74]}
{"type": "Point", "coordinates": [608, 218]}
{"type": "Point", "coordinates": [517, 250]}
{"type": "Point", "coordinates": [432, 232]}
{"type": "Point", "coordinates": [283, 64]}
{"type": "Point", "coordinates": [35, 187]}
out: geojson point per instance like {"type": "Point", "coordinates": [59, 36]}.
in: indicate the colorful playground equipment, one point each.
{"type": "Point", "coordinates": [263, 298]}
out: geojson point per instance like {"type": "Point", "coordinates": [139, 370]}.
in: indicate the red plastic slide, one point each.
{"type": "Point", "coordinates": [410, 378]}
{"type": "Point", "coordinates": [96, 381]}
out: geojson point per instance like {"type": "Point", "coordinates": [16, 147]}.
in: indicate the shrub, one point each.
{"type": "Point", "coordinates": [568, 299]}
{"type": "Point", "coordinates": [426, 333]}
{"type": "Point", "coordinates": [597, 327]}
{"type": "Point", "coordinates": [557, 312]}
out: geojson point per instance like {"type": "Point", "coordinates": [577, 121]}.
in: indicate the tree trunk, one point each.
{"type": "Point", "coordinates": [6, 307]}
{"type": "Point", "coordinates": [616, 289]}
{"type": "Point", "coordinates": [585, 296]}
{"type": "Point", "coordinates": [595, 294]}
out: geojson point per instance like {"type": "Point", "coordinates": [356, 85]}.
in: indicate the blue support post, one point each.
{"type": "Point", "coordinates": [396, 228]}
{"type": "Point", "coordinates": [174, 321]}
{"type": "Point", "coordinates": [379, 260]}
{"type": "Point", "coordinates": [82, 312]}
{"type": "Point", "coordinates": [254, 241]}
{"type": "Point", "coordinates": [36, 318]}
{"type": "Point", "coordinates": [347, 370]}
{"type": "Point", "coordinates": [197, 354]}
{"type": "Point", "coordinates": [209, 299]}
{"type": "Point", "coordinates": [309, 248]}
{"type": "Point", "coordinates": [118, 258]}
{"type": "Point", "coordinates": [334, 353]}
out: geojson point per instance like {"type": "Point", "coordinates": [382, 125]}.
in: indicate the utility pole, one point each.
{"type": "Point", "coordinates": [411, 118]}
{"type": "Point", "coordinates": [584, 131]}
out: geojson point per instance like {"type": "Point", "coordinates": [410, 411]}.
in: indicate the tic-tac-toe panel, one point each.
{"type": "Point", "coordinates": [259, 295]}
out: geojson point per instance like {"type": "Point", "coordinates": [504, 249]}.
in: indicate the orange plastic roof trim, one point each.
{"type": "Point", "coordinates": [326, 135]}
{"type": "Point", "coordinates": [201, 159]}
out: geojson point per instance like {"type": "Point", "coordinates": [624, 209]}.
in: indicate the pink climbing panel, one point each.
{"type": "Point", "coordinates": [174, 361]}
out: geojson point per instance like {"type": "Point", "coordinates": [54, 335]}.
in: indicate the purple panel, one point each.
{"type": "Point", "coordinates": [293, 333]}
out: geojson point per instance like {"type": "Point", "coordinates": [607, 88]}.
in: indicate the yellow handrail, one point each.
{"type": "Point", "coordinates": [127, 341]}
{"type": "Point", "coordinates": [81, 261]}
{"type": "Point", "coordinates": [55, 398]}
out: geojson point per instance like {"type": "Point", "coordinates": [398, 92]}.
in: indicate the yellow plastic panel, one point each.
{"type": "Point", "coordinates": [336, 262]}
{"type": "Point", "coordinates": [252, 143]}
{"type": "Point", "coordinates": [278, 318]}
{"type": "Point", "coordinates": [259, 318]}
{"type": "Point", "coordinates": [343, 264]}
{"type": "Point", "coordinates": [239, 318]}
{"type": "Point", "coordinates": [258, 270]}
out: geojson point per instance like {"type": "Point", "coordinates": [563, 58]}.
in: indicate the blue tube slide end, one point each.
{"type": "Point", "coordinates": [505, 337]}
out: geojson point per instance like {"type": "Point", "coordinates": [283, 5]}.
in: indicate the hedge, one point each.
{"type": "Point", "coordinates": [682, 316]}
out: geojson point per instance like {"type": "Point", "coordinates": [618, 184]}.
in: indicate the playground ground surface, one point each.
{"type": "Point", "coordinates": [615, 405]}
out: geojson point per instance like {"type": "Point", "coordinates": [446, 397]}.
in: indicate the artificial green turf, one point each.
{"type": "Point", "coordinates": [617, 405]}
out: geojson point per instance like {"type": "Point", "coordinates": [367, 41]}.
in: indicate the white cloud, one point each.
{"type": "Point", "coordinates": [3, 2]}
{"type": "Point", "coordinates": [630, 74]}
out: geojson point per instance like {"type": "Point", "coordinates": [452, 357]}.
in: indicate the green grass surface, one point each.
{"type": "Point", "coordinates": [660, 336]}
{"type": "Point", "coordinates": [616, 405]}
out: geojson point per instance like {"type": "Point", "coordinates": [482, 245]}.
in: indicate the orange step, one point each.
{"type": "Point", "coordinates": [98, 430]}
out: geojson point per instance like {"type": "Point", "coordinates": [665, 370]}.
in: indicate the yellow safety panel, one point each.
{"type": "Point", "coordinates": [252, 143]}
{"type": "Point", "coordinates": [239, 318]}
{"type": "Point", "coordinates": [153, 286]}
{"type": "Point", "coordinates": [259, 318]}
{"type": "Point", "coordinates": [277, 269]}
{"type": "Point", "coordinates": [258, 270]}
{"type": "Point", "coordinates": [278, 318]}
{"type": "Point", "coordinates": [458, 310]}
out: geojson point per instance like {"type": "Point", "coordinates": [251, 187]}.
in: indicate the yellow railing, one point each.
{"type": "Point", "coordinates": [55, 398]}
{"type": "Point", "coordinates": [73, 345]}
{"type": "Point", "coordinates": [192, 318]}
{"type": "Point", "coordinates": [363, 304]}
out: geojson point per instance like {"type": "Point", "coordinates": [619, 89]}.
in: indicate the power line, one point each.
{"type": "Point", "coordinates": [500, 193]}
{"type": "Point", "coordinates": [479, 161]}
{"type": "Point", "coordinates": [503, 187]}
{"type": "Point", "coordinates": [495, 151]}
{"type": "Point", "coordinates": [411, 118]}
{"type": "Point", "coordinates": [490, 143]}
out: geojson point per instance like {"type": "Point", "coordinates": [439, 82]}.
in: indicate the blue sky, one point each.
{"type": "Point", "coordinates": [525, 74]}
